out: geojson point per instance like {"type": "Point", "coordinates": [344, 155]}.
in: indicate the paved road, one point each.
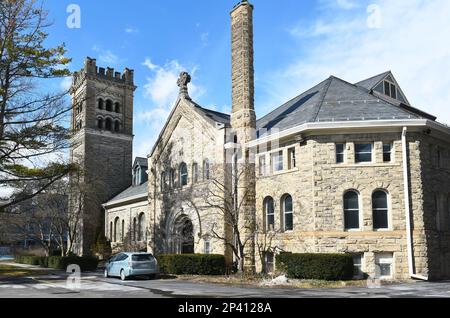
{"type": "Point", "coordinates": [93, 285]}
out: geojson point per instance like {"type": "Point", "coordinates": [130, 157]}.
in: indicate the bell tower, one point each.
{"type": "Point", "coordinates": [243, 121]}
{"type": "Point", "coordinates": [102, 124]}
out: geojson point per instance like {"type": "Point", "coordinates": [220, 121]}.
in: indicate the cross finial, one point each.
{"type": "Point", "coordinates": [183, 82]}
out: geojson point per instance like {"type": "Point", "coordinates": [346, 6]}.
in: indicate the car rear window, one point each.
{"type": "Point", "coordinates": [142, 258]}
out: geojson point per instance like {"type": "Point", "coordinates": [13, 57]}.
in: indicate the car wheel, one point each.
{"type": "Point", "coordinates": [122, 275]}
{"type": "Point", "coordinates": [106, 273]}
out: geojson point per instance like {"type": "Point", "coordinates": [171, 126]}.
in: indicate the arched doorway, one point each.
{"type": "Point", "coordinates": [183, 236]}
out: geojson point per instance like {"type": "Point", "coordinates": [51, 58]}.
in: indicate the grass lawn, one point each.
{"type": "Point", "coordinates": [12, 271]}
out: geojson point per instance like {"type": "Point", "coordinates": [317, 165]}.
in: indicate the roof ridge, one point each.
{"type": "Point", "coordinates": [322, 97]}
{"type": "Point", "coordinates": [290, 100]}
{"type": "Point", "coordinates": [368, 79]}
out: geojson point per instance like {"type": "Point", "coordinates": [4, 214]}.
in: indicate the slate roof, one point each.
{"type": "Point", "coordinates": [216, 116]}
{"type": "Point", "coordinates": [131, 192]}
{"type": "Point", "coordinates": [334, 100]}
{"type": "Point", "coordinates": [141, 161]}
{"type": "Point", "coordinates": [372, 81]}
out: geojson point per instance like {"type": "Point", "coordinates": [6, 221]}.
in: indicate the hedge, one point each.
{"type": "Point", "coordinates": [192, 264]}
{"type": "Point", "coordinates": [58, 262]}
{"type": "Point", "coordinates": [316, 266]}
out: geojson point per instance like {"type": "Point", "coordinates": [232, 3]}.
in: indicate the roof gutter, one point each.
{"type": "Point", "coordinates": [409, 241]}
{"type": "Point", "coordinates": [346, 125]}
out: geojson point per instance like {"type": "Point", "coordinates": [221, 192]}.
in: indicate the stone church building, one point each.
{"type": "Point", "coordinates": [341, 168]}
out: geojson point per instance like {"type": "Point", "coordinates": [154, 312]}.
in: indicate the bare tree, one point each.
{"type": "Point", "coordinates": [32, 131]}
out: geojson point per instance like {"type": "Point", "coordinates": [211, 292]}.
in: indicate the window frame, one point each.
{"type": "Point", "coordinates": [284, 213]}
{"type": "Point", "coordinates": [184, 174]}
{"type": "Point", "coordinates": [292, 158]}
{"type": "Point", "coordinates": [360, 267]}
{"type": "Point", "coordinates": [206, 170]}
{"type": "Point", "coordinates": [266, 214]}
{"type": "Point", "coordinates": [207, 247]}
{"type": "Point", "coordinates": [388, 211]}
{"type": "Point", "coordinates": [385, 153]}
{"type": "Point", "coordinates": [340, 153]}
{"type": "Point", "coordinates": [349, 210]}
{"type": "Point", "coordinates": [280, 162]}
{"type": "Point", "coordinates": [385, 258]}
{"type": "Point", "coordinates": [363, 153]}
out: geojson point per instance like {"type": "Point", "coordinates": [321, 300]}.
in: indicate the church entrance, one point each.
{"type": "Point", "coordinates": [183, 236]}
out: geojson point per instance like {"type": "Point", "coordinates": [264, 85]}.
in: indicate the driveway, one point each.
{"type": "Point", "coordinates": [94, 285]}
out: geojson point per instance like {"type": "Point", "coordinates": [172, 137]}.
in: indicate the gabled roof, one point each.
{"type": "Point", "coordinates": [335, 100]}
{"type": "Point", "coordinates": [214, 115]}
{"type": "Point", "coordinates": [140, 161]}
{"type": "Point", "coordinates": [371, 82]}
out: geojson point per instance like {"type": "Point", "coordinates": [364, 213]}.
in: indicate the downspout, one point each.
{"type": "Point", "coordinates": [412, 273]}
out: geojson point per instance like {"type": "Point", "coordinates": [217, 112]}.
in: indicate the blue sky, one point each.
{"type": "Point", "coordinates": [297, 45]}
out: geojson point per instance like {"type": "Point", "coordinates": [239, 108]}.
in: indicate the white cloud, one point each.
{"type": "Point", "coordinates": [204, 37]}
{"type": "Point", "coordinates": [106, 56]}
{"type": "Point", "coordinates": [161, 90]}
{"type": "Point", "coordinates": [410, 42]}
{"type": "Point", "coordinates": [66, 83]}
{"type": "Point", "coordinates": [131, 30]}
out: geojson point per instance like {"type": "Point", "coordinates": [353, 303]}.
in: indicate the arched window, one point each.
{"type": "Point", "coordinates": [269, 212]}
{"type": "Point", "coordinates": [163, 182]}
{"type": "Point", "coordinates": [111, 231]}
{"type": "Point", "coordinates": [380, 210]}
{"type": "Point", "coordinates": [117, 126]}
{"type": "Point", "coordinates": [122, 232]}
{"type": "Point", "coordinates": [183, 175]}
{"type": "Point", "coordinates": [172, 178]}
{"type": "Point", "coordinates": [108, 124]}
{"type": "Point", "coordinates": [100, 123]}
{"type": "Point", "coordinates": [194, 172]}
{"type": "Point", "coordinates": [109, 105]}
{"type": "Point", "coordinates": [287, 213]}
{"type": "Point", "coordinates": [351, 210]}
{"type": "Point", "coordinates": [116, 229]}
{"type": "Point", "coordinates": [141, 228]}
{"type": "Point", "coordinates": [117, 107]}
{"type": "Point", "coordinates": [134, 230]}
{"type": "Point", "coordinates": [206, 172]}
{"type": "Point", "coordinates": [100, 104]}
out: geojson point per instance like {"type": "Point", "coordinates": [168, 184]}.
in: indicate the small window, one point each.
{"type": "Point", "coordinates": [439, 158]}
{"type": "Point", "coordinates": [117, 126]}
{"type": "Point", "coordinates": [109, 105]}
{"type": "Point", "coordinates": [387, 152]}
{"type": "Point", "coordinates": [270, 262]}
{"type": "Point", "coordinates": [100, 123]}
{"type": "Point", "coordinates": [172, 178]}
{"type": "Point", "coordinates": [117, 108]}
{"type": "Point", "coordinates": [108, 124]}
{"type": "Point", "coordinates": [340, 153]}
{"type": "Point", "coordinates": [288, 215]}
{"type": "Point", "coordinates": [195, 173]}
{"type": "Point", "coordinates": [357, 266]}
{"type": "Point", "coordinates": [292, 158]}
{"type": "Point", "coordinates": [123, 231]}
{"type": "Point", "coordinates": [262, 165]}
{"type": "Point", "coordinates": [384, 265]}
{"type": "Point", "coordinates": [269, 210]}
{"type": "Point", "coordinates": [351, 210]}
{"type": "Point", "coordinates": [277, 161]}
{"type": "Point", "coordinates": [363, 153]}
{"type": "Point", "coordinates": [101, 104]}
{"type": "Point", "coordinates": [380, 210]}
{"type": "Point", "coordinates": [207, 247]}
{"type": "Point", "coordinates": [183, 175]}
{"type": "Point", "coordinates": [390, 89]}
{"type": "Point", "coordinates": [206, 171]}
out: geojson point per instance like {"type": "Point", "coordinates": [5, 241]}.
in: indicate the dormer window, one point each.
{"type": "Point", "coordinates": [390, 89]}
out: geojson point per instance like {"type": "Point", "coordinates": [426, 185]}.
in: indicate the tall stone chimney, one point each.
{"type": "Point", "coordinates": [243, 122]}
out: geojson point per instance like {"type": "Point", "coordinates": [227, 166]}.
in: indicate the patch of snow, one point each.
{"type": "Point", "coordinates": [280, 280]}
